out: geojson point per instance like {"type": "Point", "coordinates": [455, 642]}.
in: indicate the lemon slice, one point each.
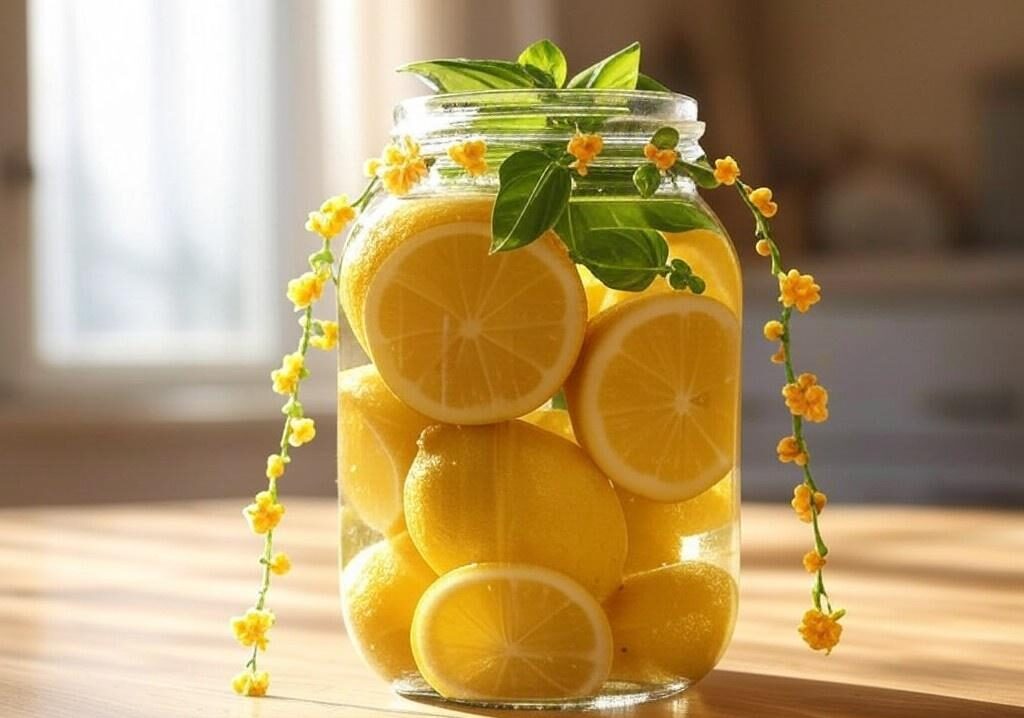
{"type": "Point", "coordinates": [511, 632]}
{"type": "Point", "coordinates": [467, 337]}
{"type": "Point", "coordinates": [655, 394]}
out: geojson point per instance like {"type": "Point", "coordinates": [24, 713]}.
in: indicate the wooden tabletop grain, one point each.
{"type": "Point", "coordinates": [123, 611]}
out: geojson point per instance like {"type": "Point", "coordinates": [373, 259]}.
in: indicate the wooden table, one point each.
{"type": "Point", "coordinates": [123, 611]}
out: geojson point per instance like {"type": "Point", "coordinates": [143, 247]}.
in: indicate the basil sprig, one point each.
{"type": "Point", "coordinates": [540, 66]}
{"type": "Point", "coordinates": [533, 193]}
{"type": "Point", "coordinates": [619, 240]}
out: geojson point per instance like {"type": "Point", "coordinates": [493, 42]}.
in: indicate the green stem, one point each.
{"type": "Point", "coordinates": [293, 397]}
{"type": "Point", "coordinates": [763, 231]}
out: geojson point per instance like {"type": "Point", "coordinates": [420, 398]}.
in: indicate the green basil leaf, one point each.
{"type": "Point", "coordinates": [533, 193]}
{"type": "Point", "coordinates": [666, 138]}
{"type": "Point", "coordinates": [647, 179]}
{"type": "Point", "coordinates": [646, 82]}
{"type": "Point", "coordinates": [615, 72]}
{"type": "Point", "coordinates": [547, 57]}
{"type": "Point", "coordinates": [699, 171]}
{"type": "Point", "coordinates": [460, 75]}
{"type": "Point", "coordinates": [667, 215]}
{"type": "Point", "coordinates": [627, 259]}
{"type": "Point", "coordinates": [540, 78]}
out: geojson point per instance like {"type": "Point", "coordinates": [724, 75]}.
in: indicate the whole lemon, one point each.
{"type": "Point", "coordinates": [512, 492]}
{"type": "Point", "coordinates": [672, 623]}
{"type": "Point", "coordinates": [380, 588]}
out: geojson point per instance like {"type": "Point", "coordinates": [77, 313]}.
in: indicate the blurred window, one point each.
{"type": "Point", "coordinates": [151, 136]}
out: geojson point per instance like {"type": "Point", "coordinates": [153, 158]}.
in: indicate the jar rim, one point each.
{"type": "Point", "coordinates": [686, 104]}
{"type": "Point", "coordinates": [641, 109]}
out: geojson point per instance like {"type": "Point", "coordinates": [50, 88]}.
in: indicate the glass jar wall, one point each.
{"type": "Point", "coordinates": [538, 475]}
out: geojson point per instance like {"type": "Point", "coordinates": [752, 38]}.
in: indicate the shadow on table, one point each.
{"type": "Point", "coordinates": [727, 694]}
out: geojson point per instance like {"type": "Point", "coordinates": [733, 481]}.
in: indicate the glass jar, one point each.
{"type": "Point", "coordinates": [538, 475]}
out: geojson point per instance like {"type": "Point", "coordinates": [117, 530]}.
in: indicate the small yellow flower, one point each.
{"type": "Point", "coordinates": [400, 167]}
{"type": "Point", "coordinates": [821, 631]}
{"type": "Point", "coordinates": [763, 247]}
{"type": "Point", "coordinates": [727, 171]}
{"type": "Point", "coordinates": [334, 214]}
{"type": "Point", "coordinates": [283, 382]}
{"type": "Point", "coordinates": [584, 147]}
{"type": "Point", "coordinates": [302, 431]}
{"type": "Point", "coordinates": [813, 562]}
{"type": "Point", "coordinates": [774, 330]}
{"type": "Point", "coordinates": [789, 450]}
{"type": "Point", "coordinates": [371, 166]}
{"type": "Point", "coordinates": [280, 564]}
{"type": "Point", "coordinates": [251, 684]}
{"type": "Point", "coordinates": [329, 339]}
{"type": "Point", "coordinates": [470, 156]}
{"type": "Point", "coordinates": [801, 502]}
{"type": "Point", "coordinates": [275, 466]}
{"type": "Point", "coordinates": [304, 290]}
{"type": "Point", "coordinates": [798, 290]}
{"type": "Point", "coordinates": [251, 628]}
{"type": "Point", "coordinates": [664, 160]}
{"type": "Point", "coordinates": [286, 379]}
{"type": "Point", "coordinates": [264, 513]}
{"type": "Point", "coordinates": [779, 357]}
{"type": "Point", "coordinates": [762, 199]}
{"type": "Point", "coordinates": [806, 398]}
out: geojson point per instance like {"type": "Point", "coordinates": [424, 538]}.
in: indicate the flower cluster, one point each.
{"type": "Point", "coordinates": [585, 148]}
{"type": "Point", "coordinates": [663, 159]}
{"type": "Point", "coordinates": [762, 199]}
{"type": "Point", "coordinates": [264, 514]}
{"type": "Point", "coordinates": [805, 398]}
{"type": "Point", "coordinates": [726, 171]}
{"type": "Point", "coordinates": [801, 503]}
{"type": "Point", "coordinates": [251, 628]}
{"type": "Point", "coordinates": [798, 290]}
{"type": "Point", "coordinates": [470, 156]}
{"type": "Point", "coordinates": [400, 166]}
{"type": "Point", "coordinates": [332, 217]}
{"type": "Point", "coordinates": [821, 630]}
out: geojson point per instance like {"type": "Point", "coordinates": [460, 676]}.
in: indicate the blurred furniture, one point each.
{"type": "Point", "coordinates": [922, 358]}
{"type": "Point", "coordinates": [124, 611]}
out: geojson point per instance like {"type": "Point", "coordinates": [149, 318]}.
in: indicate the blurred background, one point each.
{"type": "Point", "coordinates": [157, 159]}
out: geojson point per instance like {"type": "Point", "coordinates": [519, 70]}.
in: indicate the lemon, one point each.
{"type": "Point", "coordinates": [354, 535]}
{"type": "Point", "coordinates": [380, 588]}
{"type": "Point", "coordinates": [459, 334]}
{"type": "Point", "coordinates": [654, 396]}
{"type": "Point", "coordinates": [710, 255]}
{"type": "Point", "coordinates": [672, 623]}
{"type": "Point", "coordinates": [377, 436]}
{"type": "Point", "coordinates": [554, 420]}
{"type": "Point", "coordinates": [511, 632]}
{"type": "Point", "coordinates": [511, 492]}
{"type": "Point", "coordinates": [656, 530]}
{"type": "Point", "coordinates": [596, 291]}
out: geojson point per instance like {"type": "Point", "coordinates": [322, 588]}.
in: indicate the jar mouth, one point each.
{"type": "Point", "coordinates": [531, 115]}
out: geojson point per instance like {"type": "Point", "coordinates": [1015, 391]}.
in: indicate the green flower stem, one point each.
{"type": "Point", "coordinates": [367, 193]}
{"type": "Point", "coordinates": [283, 447]}
{"type": "Point", "coordinates": [762, 230]}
